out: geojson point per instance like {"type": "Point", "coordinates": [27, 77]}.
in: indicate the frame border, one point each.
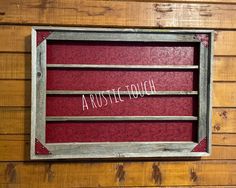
{"type": "Point", "coordinates": [106, 150]}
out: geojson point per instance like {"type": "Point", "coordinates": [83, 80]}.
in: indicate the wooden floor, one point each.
{"type": "Point", "coordinates": [16, 19]}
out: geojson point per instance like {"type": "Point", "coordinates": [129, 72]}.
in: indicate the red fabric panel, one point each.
{"type": "Point", "coordinates": [113, 79]}
{"type": "Point", "coordinates": [146, 106]}
{"type": "Point", "coordinates": [57, 132]}
{"type": "Point", "coordinates": [129, 53]}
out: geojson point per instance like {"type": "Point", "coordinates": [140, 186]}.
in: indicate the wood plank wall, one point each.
{"type": "Point", "coordinates": [16, 19]}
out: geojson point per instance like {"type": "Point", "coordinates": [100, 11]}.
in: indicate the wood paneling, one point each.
{"type": "Point", "coordinates": [120, 173]}
{"type": "Point", "coordinates": [224, 94]}
{"type": "Point", "coordinates": [17, 17]}
{"type": "Point", "coordinates": [224, 69]}
{"type": "Point", "coordinates": [15, 66]}
{"type": "Point", "coordinates": [119, 13]}
{"type": "Point", "coordinates": [224, 120]}
{"type": "Point", "coordinates": [224, 139]}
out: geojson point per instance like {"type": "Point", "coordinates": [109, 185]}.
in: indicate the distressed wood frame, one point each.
{"type": "Point", "coordinates": [120, 149]}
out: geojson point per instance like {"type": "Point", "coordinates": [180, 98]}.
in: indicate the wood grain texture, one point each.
{"type": "Point", "coordinates": [120, 173]}
{"type": "Point", "coordinates": [17, 39]}
{"type": "Point", "coordinates": [15, 66]}
{"type": "Point", "coordinates": [224, 120]}
{"type": "Point", "coordinates": [220, 171]}
{"type": "Point", "coordinates": [119, 13]}
{"type": "Point", "coordinates": [224, 94]}
{"type": "Point", "coordinates": [15, 93]}
{"type": "Point", "coordinates": [185, 1]}
{"type": "Point", "coordinates": [224, 139]}
{"type": "Point", "coordinates": [224, 69]}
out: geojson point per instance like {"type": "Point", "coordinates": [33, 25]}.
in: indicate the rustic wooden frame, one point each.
{"type": "Point", "coordinates": [120, 149]}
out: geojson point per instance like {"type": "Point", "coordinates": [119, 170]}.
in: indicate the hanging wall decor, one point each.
{"type": "Point", "coordinates": [120, 93]}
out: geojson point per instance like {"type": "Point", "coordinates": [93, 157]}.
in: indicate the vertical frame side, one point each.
{"type": "Point", "coordinates": [41, 92]}
{"type": "Point", "coordinates": [210, 87]}
{"type": "Point", "coordinates": [33, 90]}
{"type": "Point", "coordinates": [203, 78]}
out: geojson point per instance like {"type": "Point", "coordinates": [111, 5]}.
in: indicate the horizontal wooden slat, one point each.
{"type": "Point", "coordinates": [17, 39]}
{"type": "Point", "coordinates": [186, 1]}
{"type": "Point", "coordinates": [25, 185]}
{"type": "Point", "coordinates": [120, 118]}
{"type": "Point", "coordinates": [120, 173]}
{"type": "Point", "coordinates": [224, 120]}
{"type": "Point", "coordinates": [16, 120]}
{"type": "Point", "coordinates": [17, 93]}
{"type": "Point", "coordinates": [224, 94]}
{"type": "Point", "coordinates": [15, 66]}
{"type": "Point", "coordinates": [141, 67]}
{"type": "Point", "coordinates": [150, 14]}
{"type": "Point", "coordinates": [224, 69]}
{"type": "Point", "coordinates": [224, 139]}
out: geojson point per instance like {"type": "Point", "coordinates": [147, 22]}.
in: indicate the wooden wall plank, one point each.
{"type": "Point", "coordinates": [225, 43]}
{"type": "Point", "coordinates": [186, 1]}
{"type": "Point", "coordinates": [120, 174]}
{"type": "Point", "coordinates": [224, 120]}
{"type": "Point", "coordinates": [224, 69]}
{"type": "Point", "coordinates": [15, 93]}
{"type": "Point", "coordinates": [15, 66]}
{"type": "Point", "coordinates": [224, 94]}
{"type": "Point", "coordinates": [119, 13]}
{"type": "Point", "coordinates": [224, 139]}
{"type": "Point", "coordinates": [15, 120]}
{"type": "Point", "coordinates": [18, 92]}
{"type": "Point", "coordinates": [17, 39]}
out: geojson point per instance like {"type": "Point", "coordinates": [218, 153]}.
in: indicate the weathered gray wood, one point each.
{"type": "Point", "coordinates": [120, 118]}
{"type": "Point", "coordinates": [41, 94]}
{"type": "Point", "coordinates": [203, 90]}
{"type": "Point", "coordinates": [122, 150]}
{"type": "Point", "coordinates": [70, 92]}
{"type": "Point", "coordinates": [121, 36]}
{"type": "Point", "coordinates": [143, 67]}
